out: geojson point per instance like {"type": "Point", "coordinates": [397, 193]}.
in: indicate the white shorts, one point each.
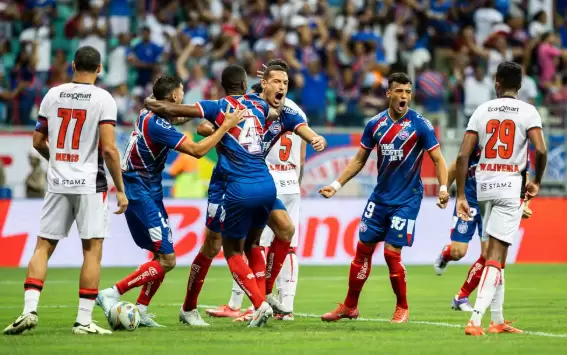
{"type": "Point", "coordinates": [291, 203]}
{"type": "Point", "coordinates": [501, 218]}
{"type": "Point", "coordinates": [61, 210]}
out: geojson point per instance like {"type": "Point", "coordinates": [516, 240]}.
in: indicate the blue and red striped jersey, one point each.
{"type": "Point", "coordinates": [401, 145]}
{"type": "Point", "coordinates": [146, 154]}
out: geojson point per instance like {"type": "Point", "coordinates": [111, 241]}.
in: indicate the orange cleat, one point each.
{"type": "Point", "coordinates": [287, 317]}
{"type": "Point", "coordinates": [340, 312]}
{"type": "Point", "coordinates": [473, 330]}
{"type": "Point", "coordinates": [401, 315]}
{"type": "Point", "coordinates": [244, 317]}
{"type": "Point", "coordinates": [223, 312]}
{"type": "Point", "coordinates": [503, 328]}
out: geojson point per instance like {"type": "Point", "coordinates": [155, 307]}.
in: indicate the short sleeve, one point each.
{"type": "Point", "coordinates": [534, 121]}
{"type": "Point", "coordinates": [163, 133]}
{"type": "Point", "coordinates": [44, 106]}
{"type": "Point", "coordinates": [209, 109]}
{"type": "Point", "coordinates": [367, 141]}
{"type": "Point", "coordinates": [293, 120]}
{"type": "Point", "coordinates": [472, 126]}
{"type": "Point", "coordinates": [427, 134]}
{"type": "Point", "coordinates": [109, 111]}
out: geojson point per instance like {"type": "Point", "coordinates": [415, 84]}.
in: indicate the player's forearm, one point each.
{"type": "Point", "coordinates": [170, 109]}
{"type": "Point", "coordinates": [540, 164]}
{"type": "Point", "coordinates": [42, 148]}
{"type": "Point", "coordinates": [451, 174]}
{"type": "Point", "coordinates": [112, 160]}
{"type": "Point", "coordinates": [199, 150]}
{"type": "Point", "coordinates": [353, 168]}
{"type": "Point", "coordinates": [176, 121]}
{"type": "Point", "coordinates": [461, 174]}
{"type": "Point", "coordinates": [441, 170]}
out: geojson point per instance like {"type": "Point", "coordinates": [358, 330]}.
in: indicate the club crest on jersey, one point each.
{"type": "Point", "coordinates": [403, 135]}
{"type": "Point", "coordinates": [275, 128]}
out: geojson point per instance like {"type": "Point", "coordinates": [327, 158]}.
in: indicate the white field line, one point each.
{"type": "Point", "coordinates": [310, 315]}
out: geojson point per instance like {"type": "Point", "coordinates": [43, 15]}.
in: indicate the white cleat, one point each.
{"type": "Point", "coordinates": [24, 322]}
{"type": "Point", "coordinates": [89, 329]}
{"type": "Point", "coordinates": [147, 320]}
{"type": "Point", "coordinates": [106, 299]}
{"type": "Point", "coordinates": [462, 304]}
{"type": "Point", "coordinates": [261, 315]}
{"type": "Point", "coordinates": [276, 305]}
{"type": "Point", "coordinates": [192, 318]}
{"type": "Point", "coordinates": [440, 265]}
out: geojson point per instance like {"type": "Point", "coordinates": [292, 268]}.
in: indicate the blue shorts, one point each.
{"type": "Point", "coordinates": [217, 189]}
{"type": "Point", "coordinates": [394, 225]}
{"type": "Point", "coordinates": [246, 206]}
{"type": "Point", "coordinates": [463, 231]}
{"type": "Point", "coordinates": [149, 225]}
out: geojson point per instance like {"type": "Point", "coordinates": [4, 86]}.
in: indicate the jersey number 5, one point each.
{"type": "Point", "coordinates": [285, 150]}
{"type": "Point", "coordinates": [66, 114]}
{"type": "Point", "coordinates": [505, 132]}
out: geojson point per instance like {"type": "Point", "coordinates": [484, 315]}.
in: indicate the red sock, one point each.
{"type": "Point", "coordinates": [147, 272]}
{"type": "Point", "coordinates": [397, 277]}
{"type": "Point", "coordinates": [473, 278]}
{"type": "Point", "coordinates": [257, 264]}
{"type": "Point", "coordinates": [148, 291]}
{"type": "Point", "coordinates": [359, 271]}
{"type": "Point", "coordinates": [197, 275]}
{"type": "Point", "coordinates": [446, 253]}
{"type": "Point", "coordinates": [33, 284]}
{"type": "Point", "coordinates": [245, 278]}
{"type": "Point", "coordinates": [274, 261]}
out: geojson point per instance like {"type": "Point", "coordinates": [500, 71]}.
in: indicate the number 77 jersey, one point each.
{"type": "Point", "coordinates": [70, 115]}
{"type": "Point", "coordinates": [502, 127]}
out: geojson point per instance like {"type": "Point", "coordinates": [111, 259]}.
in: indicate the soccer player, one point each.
{"type": "Point", "coordinates": [501, 128]}
{"type": "Point", "coordinates": [75, 134]}
{"type": "Point", "coordinates": [142, 167]}
{"type": "Point", "coordinates": [462, 232]}
{"type": "Point", "coordinates": [402, 135]}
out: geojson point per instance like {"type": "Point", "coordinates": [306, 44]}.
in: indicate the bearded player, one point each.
{"type": "Point", "coordinates": [502, 128]}
{"type": "Point", "coordinates": [402, 136]}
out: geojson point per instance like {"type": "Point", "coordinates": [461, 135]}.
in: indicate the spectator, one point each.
{"type": "Point", "coordinates": [548, 56]}
{"type": "Point", "coordinates": [539, 24]}
{"type": "Point", "coordinates": [22, 75]}
{"type": "Point", "coordinates": [348, 94]}
{"type": "Point", "coordinates": [145, 57]}
{"type": "Point", "coordinates": [120, 12]}
{"type": "Point", "coordinates": [124, 105]}
{"type": "Point", "coordinates": [430, 90]}
{"type": "Point", "coordinates": [477, 89]}
{"type": "Point", "coordinates": [93, 29]}
{"type": "Point", "coordinates": [61, 70]}
{"type": "Point", "coordinates": [36, 181]}
{"type": "Point", "coordinates": [9, 13]}
{"type": "Point", "coordinates": [314, 93]}
{"type": "Point", "coordinates": [118, 62]}
{"type": "Point", "coordinates": [528, 91]}
{"type": "Point", "coordinates": [41, 34]}
{"type": "Point", "coordinates": [484, 18]}
{"type": "Point", "coordinates": [347, 21]}
{"type": "Point", "coordinates": [161, 31]}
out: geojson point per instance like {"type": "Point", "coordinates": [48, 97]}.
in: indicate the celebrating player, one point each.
{"type": "Point", "coordinates": [462, 233]}
{"type": "Point", "coordinates": [402, 135]}
{"type": "Point", "coordinates": [142, 166]}
{"type": "Point", "coordinates": [501, 128]}
{"type": "Point", "coordinates": [75, 131]}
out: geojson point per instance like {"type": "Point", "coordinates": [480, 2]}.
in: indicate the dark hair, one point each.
{"type": "Point", "coordinates": [400, 78]}
{"type": "Point", "coordinates": [257, 88]}
{"type": "Point", "coordinates": [233, 78]}
{"type": "Point", "coordinates": [165, 85]}
{"type": "Point", "coordinates": [278, 62]}
{"type": "Point", "coordinates": [271, 69]}
{"type": "Point", "coordinates": [87, 59]}
{"type": "Point", "coordinates": [509, 75]}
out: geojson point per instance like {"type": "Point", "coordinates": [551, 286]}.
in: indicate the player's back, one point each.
{"type": "Point", "coordinates": [73, 112]}
{"type": "Point", "coordinates": [502, 127]}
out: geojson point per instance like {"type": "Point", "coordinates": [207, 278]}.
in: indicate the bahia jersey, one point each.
{"type": "Point", "coordinates": [401, 145]}
{"type": "Point", "coordinates": [70, 115]}
{"type": "Point", "coordinates": [241, 150]}
{"type": "Point", "coordinates": [470, 185]}
{"type": "Point", "coordinates": [283, 148]}
{"type": "Point", "coordinates": [146, 154]}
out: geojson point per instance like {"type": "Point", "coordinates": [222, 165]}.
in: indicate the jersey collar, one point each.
{"type": "Point", "coordinates": [78, 82]}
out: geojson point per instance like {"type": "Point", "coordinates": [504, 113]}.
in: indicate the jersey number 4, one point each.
{"type": "Point", "coordinates": [285, 150]}
{"type": "Point", "coordinates": [505, 132]}
{"type": "Point", "coordinates": [66, 114]}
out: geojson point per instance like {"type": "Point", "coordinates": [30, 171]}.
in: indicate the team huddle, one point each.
{"type": "Point", "coordinates": [260, 138]}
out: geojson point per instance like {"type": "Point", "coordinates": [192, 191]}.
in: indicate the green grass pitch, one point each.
{"type": "Point", "coordinates": [535, 298]}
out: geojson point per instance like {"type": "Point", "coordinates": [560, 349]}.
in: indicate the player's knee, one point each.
{"type": "Point", "coordinates": [286, 232]}
{"type": "Point", "coordinates": [45, 246]}
{"type": "Point", "coordinates": [167, 262]}
{"type": "Point", "coordinates": [212, 245]}
{"type": "Point", "coordinates": [458, 253]}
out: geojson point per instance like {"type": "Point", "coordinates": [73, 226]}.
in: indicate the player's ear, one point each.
{"type": "Point", "coordinates": [99, 69]}
{"type": "Point", "coordinates": [73, 65]}
{"type": "Point", "coordinates": [388, 93]}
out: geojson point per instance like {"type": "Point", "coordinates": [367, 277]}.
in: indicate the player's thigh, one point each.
{"type": "Point", "coordinates": [292, 203]}
{"type": "Point", "coordinates": [216, 192]}
{"type": "Point", "coordinates": [504, 220]}
{"type": "Point", "coordinates": [401, 231]}
{"type": "Point", "coordinates": [147, 221]}
{"type": "Point", "coordinates": [91, 215]}
{"type": "Point", "coordinates": [56, 216]}
{"type": "Point", "coordinates": [373, 223]}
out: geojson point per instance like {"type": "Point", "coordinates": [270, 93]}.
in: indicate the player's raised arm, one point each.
{"type": "Point", "coordinates": [171, 109]}
{"type": "Point", "coordinates": [308, 135]}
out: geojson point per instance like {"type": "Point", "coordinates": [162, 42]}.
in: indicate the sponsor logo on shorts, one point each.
{"type": "Point", "coordinates": [496, 186]}
{"type": "Point", "coordinates": [483, 187]}
{"type": "Point", "coordinates": [74, 182]}
{"type": "Point", "coordinates": [148, 273]}
{"type": "Point", "coordinates": [463, 227]}
{"type": "Point", "coordinates": [363, 227]}
{"type": "Point", "coordinates": [56, 181]}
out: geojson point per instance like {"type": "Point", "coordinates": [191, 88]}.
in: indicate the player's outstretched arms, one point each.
{"type": "Point", "coordinates": [112, 160]}
{"type": "Point", "coordinates": [441, 170]}
{"type": "Point", "coordinates": [535, 136]}
{"type": "Point", "coordinates": [198, 150]}
{"type": "Point", "coordinates": [170, 109]}
{"type": "Point", "coordinates": [205, 129]}
{"type": "Point", "coordinates": [352, 169]}
{"type": "Point", "coordinates": [40, 143]}
{"type": "Point", "coordinates": [462, 167]}
{"type": "Point", "coordinates": [319, 143]}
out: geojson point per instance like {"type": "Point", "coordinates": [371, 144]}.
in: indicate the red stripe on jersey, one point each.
{"type": "Point", "coordinates": [180, 142]}
{"type": "Point", "coordinates": [234, 103]}
{"type": "Point", "coordinates": [409, 145]}
{"type": "Point", "coordinates": [377, 125]}
{"type": "Point", "coordinates": [235, 132]}
{"type": "Point", "coordinates": [136, 158]}
{"type": "Point", "coordinates": [154, 149]}
{"type": "Point", "coordinates": [257, 105]}
{"type": "Point", "coordinates": [391, 134]}
{"type": "Point", "coordinates": [220, 119]}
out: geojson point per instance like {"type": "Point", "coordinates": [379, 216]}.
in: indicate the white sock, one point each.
{"type": "Point", "coordinates": [85, 314]}
{"type": "Point", "coordinates": [286, 283]}
{"type": "Point", "coordinates": [488, 281]}
{"type": "Point", "coordinates": [115, 292]}
{"type": "Point", "coordinates": [496, 306]}
{"type": "Point", "coordinates": [237, 296]}
{"type": "Point", "coordinates": [31, 299]}
{"type": "Point", "coordinates": [142, 308]}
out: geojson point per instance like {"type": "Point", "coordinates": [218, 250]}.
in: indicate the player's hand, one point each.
{"type": "Point", "coordinates": [260, 72]}
{"type": "Point", "coordinates": [319, 143]}
{"type": "Point", "coordinates": [464, 210]}
{"type": "Point", "coordinates": [232, 119]}
{"type": "Point", "coordinates": [442, 199]}
{"type": "Point", "coordinates": [527, 212]}
{"type": "Point", "coordinates": [122, 203]}
{"type": "Point", "coordinates": [532, 189]}
{"type": "Point", "coordinates": [327, 191]}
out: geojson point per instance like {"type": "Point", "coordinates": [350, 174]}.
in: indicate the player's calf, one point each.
{"type": "Point", "coordinates": [282, 226]}
{"type": "Point", "coordinates": [88, 284]}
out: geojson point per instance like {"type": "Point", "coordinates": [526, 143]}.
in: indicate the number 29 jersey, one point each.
{"type": "Point", "coordinates": [502, 127]}
{"type": "Point", "coordinates": [70, 114]}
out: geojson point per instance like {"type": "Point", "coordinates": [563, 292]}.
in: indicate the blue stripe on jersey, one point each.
{"type": "Point", "coordinates": [470, 186]}
{"type": "Point", "coordinates": [288, 121]}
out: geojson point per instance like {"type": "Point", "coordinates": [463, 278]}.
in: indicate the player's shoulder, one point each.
{"type": "Point", "coordinates": [292, 108]}
{"type": "Point", "coordinates": [419, 119]}
{"type": "Point", "coordinates": [380, 117]}
{"type": "Point", "coordinates": [102, 94]}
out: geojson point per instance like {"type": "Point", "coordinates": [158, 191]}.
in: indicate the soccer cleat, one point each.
{"type": "Point", "coordinates": [261, 315]}
{"type": "Point", "coordinates": [401, 315]}
{"type": "Point", "coordinates": [503, 328]}
{"type": "Point", "coordinates": [24, 322]}
{"type": "Point", "coordinates": [461, 304]}
{"type": "Point", "coordinates": [286, 317]}
{"type": "Point", "coordinates": [244, 317]}
{"type": "Point", "coordinates": [276, 305]}
{"type": "Point", "coordinates": [340, 312]}
{"type": "Point", "coordinates": [89, 329]}
{"type": "Point", "coordinates": [440, 265]}
{"type": "Point", "coordinates": [106, 299]}
{"type": "Point", "coordinates": [473, 330]}
{"type": "Point", "coordinates": [192, 318]}
{"type": "Point", "coordinates": [147, 320]}
{"type": "Point", "coordinates": [223, 311]}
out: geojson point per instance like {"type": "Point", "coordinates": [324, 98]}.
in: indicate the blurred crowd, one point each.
{"type": "Point", "coordinates": [340, 51]}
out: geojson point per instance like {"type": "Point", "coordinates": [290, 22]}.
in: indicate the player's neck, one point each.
{"type": "Point", "coordinates": [84, 78]}
{"type": "Point", "coordinates": [394, 116]}
{"type": "Point", "coordinates": [508, 94]}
